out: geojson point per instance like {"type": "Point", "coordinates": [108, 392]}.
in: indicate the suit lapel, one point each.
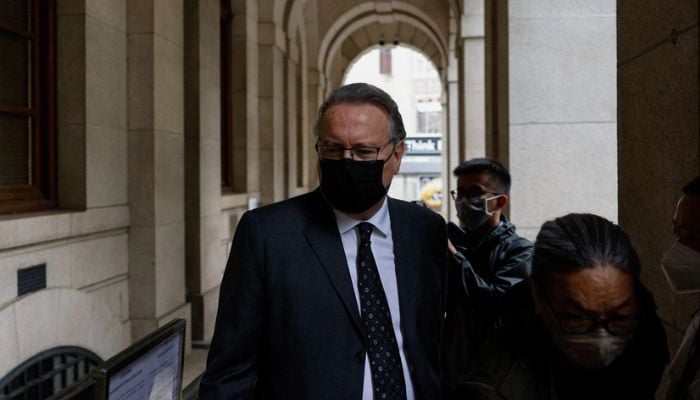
{"type": "Point", "coordinates": [407, 264]}
{"type": "Point", "coordinates": [324, 239]}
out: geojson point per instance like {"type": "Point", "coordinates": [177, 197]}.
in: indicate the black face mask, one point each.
{"type": "Point", "coordinates": [472, 215]}
{"type": "Point", "coordinates": [352, 186]}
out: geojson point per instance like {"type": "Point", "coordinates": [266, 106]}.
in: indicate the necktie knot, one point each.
{"type": "Point", "coordinates": [365, 231]}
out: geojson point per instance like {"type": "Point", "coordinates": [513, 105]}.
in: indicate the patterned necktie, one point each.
{"type": "Point", "coordinates": [385, 363]}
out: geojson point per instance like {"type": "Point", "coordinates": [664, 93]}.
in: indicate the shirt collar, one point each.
{"type": "Point", "coordinates": [380, 220]}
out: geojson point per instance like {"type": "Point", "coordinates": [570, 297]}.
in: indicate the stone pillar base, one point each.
{"type": "Point", "coordinates": [142, 327]}
{"type": "Point", "coordinates": [204, 308]}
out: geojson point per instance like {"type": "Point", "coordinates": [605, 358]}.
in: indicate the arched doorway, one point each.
{"type": "Point", "coordinates": [414, 83]}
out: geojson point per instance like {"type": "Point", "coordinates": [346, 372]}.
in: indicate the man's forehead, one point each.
{"type": "Point", "coordinates": [355, 110]}
{"type": "Point", "coordinates": [364, 121]}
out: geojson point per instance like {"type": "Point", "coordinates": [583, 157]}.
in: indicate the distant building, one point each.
{"type": "Point", "coordinates": [414, 83]}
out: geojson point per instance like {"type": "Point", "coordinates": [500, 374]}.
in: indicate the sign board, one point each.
{"type": "Point", "coordinates": [423, 145]}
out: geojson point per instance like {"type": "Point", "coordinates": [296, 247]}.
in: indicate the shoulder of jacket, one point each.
{"type": "Point", "coordinates": [517, 243]}
{"type": "Point", "coordinates": [289, 211]}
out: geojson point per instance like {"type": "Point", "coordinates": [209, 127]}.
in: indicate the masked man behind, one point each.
{"type": "Point", "coordinates": [491, 256]}
{"type": "Point", "coordinates": [335, 294]}
{"type": "Point", "coordinates": [488, 259]}
{"type": "Point", "coordinates": [681, 265]}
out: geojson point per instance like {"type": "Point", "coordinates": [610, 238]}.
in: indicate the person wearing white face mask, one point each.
{"type": "Point", "coordinates": [581, 327]}
{"type": "Point", "coordinates": [681, 266]}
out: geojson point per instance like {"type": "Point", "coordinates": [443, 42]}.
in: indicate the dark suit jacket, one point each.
{"type": "Point", "coordinates": [288, 325]}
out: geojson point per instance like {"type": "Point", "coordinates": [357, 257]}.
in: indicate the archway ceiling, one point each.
{"type": "Point", "coordinates": [347, 28]}
{"type": "Point", "coordinates": [369, 36]}
{"type": "Point", "coordinates": [332, 11]}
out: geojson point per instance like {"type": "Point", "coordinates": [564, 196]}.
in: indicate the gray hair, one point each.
{"type": "Point", "coordinates": [364, 93]}
{"type": "Point", "coordinates": [579, 241]}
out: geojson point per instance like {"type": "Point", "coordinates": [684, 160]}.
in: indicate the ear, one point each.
{"type": "Point", "coordinates": [400, 149]}
{"type": "Point", "coordinates": [398, 154]}
{"type": "Point", "coordinates": [501, 202]}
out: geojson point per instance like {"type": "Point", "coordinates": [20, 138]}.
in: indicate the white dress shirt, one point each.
{"type": "Point", "coordinates": [383, 251]}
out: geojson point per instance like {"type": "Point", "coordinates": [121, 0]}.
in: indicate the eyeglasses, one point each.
{"type": "Point", "coordinates": [577, 324]}
{"type": "Point", "coordinates": [328, 152]}
{"type": "Point", "coordinates": [458, 195]}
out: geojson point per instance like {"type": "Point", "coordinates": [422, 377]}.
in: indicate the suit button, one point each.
{"type": "Point", "coordinates": [359, 356]}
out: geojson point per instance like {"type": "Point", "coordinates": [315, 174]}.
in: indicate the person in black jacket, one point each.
{"type": "Point", "coordinates": [491, 256]}
{"type": "Point", "coordinates": [582, 327]}
{"type": "Point", "coordinates": [488, 259]}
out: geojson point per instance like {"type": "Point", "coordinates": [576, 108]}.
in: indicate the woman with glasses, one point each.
{"type": "Point", "coordinates": [582, 327]}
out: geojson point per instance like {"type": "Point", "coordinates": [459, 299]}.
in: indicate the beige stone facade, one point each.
{"type": "Point", "coordinates": [592, 104]}
{"type": "Point", "coordinates": [658, 137]}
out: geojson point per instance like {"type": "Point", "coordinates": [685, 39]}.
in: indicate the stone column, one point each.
{"type": "Point", "coordinates": [562, 97]}
{"type": "Point", "coordinates": [465, 98]}
{"type": "Point", "coordinates": [292, 128]}
{"type": "Point", "coordinates": [156, 163]}
{"type": "Point", "coordinates": [206, 239]}
{"type": "Point", "coordinates": [245, 91]}
{"type": "Point", "coordinates": [474, 108]}
{"type": "Point", "coordinates": [496, 84]}
{"type": "Point", "coordinates": [313, 102]}
{"type": "Point", "coordinates": [658, 135]}
{"type": "Point", "coordinates": [271, 73]}
{"type": "Point", "coordinates": [451, 154]}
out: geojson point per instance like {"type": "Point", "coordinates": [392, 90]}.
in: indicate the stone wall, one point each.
{"type": "Point", "coordinates": [562, 110]}
{"type": "Point", "coordinates": [658, 135]}
{"type": "Point", "coordinates": [156, 173]}
{"type": "Point", "coordinates": [84, 244]}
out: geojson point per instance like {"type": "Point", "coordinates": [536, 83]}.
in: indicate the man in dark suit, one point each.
{"type": "Point", "coordinates": [335, 294]}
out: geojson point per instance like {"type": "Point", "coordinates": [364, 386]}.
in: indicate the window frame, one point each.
{"type": "Point", "coordinates": [41, 193]}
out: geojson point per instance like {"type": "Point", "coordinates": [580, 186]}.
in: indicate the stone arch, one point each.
{"type": "Point", "coordinates": [358, 55]}
{"type": "Point", "coordinates": [59, 317]}
{"type": "Point", "coordinates": [294, 15]}
{"type": "Point", "coordinates": [404, 19]}
{"type": "Point", "coordinates": [327, 51]}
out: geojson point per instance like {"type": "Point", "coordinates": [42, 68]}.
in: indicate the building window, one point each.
{"type": "Point", "coordinates": [27, 106]}
{"type": "Point", "coordinates": [51, 373]}
{"type": "Point", "coordinates": [385, 61]}
{"type": "Point", "coordinates": [428, 122]}
{"type": "Point", "coordinates": [227, 182]}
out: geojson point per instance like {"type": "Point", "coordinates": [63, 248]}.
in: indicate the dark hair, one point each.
{"type": "Point", "coordinates": [495, 170]}
{"type": "Point", "coordinates": [577, 241]}
{"type": "Point", "coordinates": [693, 187]}
{"type": "Point", "coordinates": [364, 93]}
